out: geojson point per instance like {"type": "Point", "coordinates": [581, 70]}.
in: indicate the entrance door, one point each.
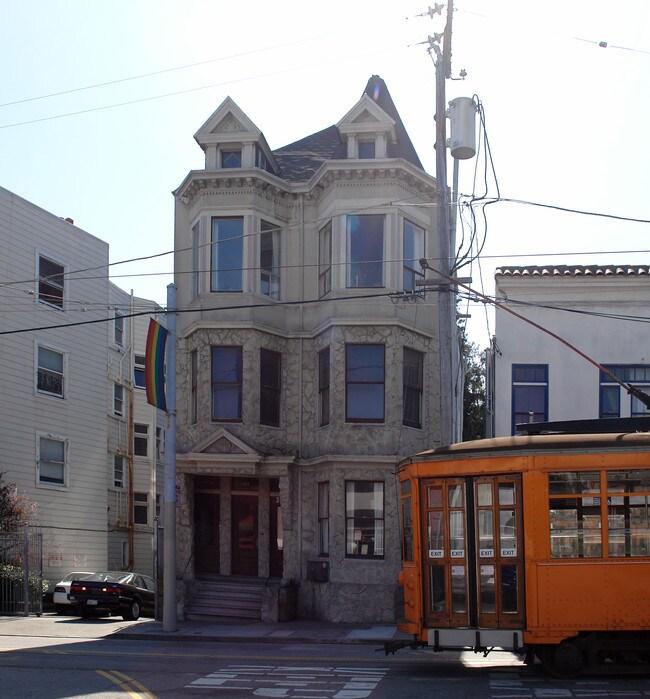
{"type": "Point", "coordinates": [473, 551]}
{"type": "Point", "coordinates": [276, 541]}
{"type": "Point", "coordinates": [244, 534]}
{"type": "Point", "coordinates": [206, 533]}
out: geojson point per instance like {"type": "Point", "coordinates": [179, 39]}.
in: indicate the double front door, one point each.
{"type": "Point", "coordinates": [473, 552]}
{"type": "Point", "coordinates": [245, 536]}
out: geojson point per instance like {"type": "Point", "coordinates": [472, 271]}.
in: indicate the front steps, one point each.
{"type": "Point", "coordinates": [226, 597]}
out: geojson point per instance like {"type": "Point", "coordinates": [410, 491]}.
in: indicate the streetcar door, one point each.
{"type": "Point", "coordinates": [499, 551]}
{"type": "Point", "coordinates": [445, 552]}
{"type": "Point", "coordinates": [473, 553]}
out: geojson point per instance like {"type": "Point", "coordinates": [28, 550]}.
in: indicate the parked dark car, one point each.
{"type": "Point", "coordinates": [118, 593]}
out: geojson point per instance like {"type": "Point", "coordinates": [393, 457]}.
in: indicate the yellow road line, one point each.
{"type": "Point", "coordinates": [118, 677]}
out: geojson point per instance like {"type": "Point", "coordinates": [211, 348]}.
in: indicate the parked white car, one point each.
{"type": "Point", "coordinates": [60, 597]}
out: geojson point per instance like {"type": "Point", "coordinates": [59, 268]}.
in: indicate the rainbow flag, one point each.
{"type": "Point", "coordinates": [154, 366]}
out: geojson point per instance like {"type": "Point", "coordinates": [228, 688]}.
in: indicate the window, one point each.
{"type": "Point", "coordinates": [364, 383]}
{"type": "Point", "coordinates": [529, 393]}
{"type": "Point", "coordinates": [118, 471]}
{"type": "Point", "coordinates": [194, 387]}
{"type": "Point", "coordinates": [270, 260]}
{"type": "Point", "coordinates": [366, 150]}
{"type": "Point", "coordinates": [325, 260]}
{"type": "Point", "coordinates": [231, 158]}
{"type": "Point", "coordinates": [139, 377]}
{"type": "Point", "coordinates": [365, 251]}
{"type": "Point", "coordinates": [324, 387]}
{"type": "Point", "coordinates": [195, 261]}
{"type": "Point", "coordinates": [413, 253]}
{"type": "Point", "coordinates": [140, 508]}
{"type": "Point", "coordinates": [50, 282]}
{"type": "Point", "coordinates": [364, 519]}
{"type": "Point", "coordinates": [413, 387]}
{"type": "Point", "coordinates": [261, 160]}
{"type": "Point", "coordinates": [226, 383]}
{"type": "Point", "coordinates": [118, 329]}
{"type": "Point", "coordinates": [324, 519]}
{"type": "Point", "coordinates": [118, 399]}
{"type": "Point", "coordinates": [160, 443]}
{"type": "Point", "coordinates": [227, 251]}
{"type": "Point", "coordinates": [51, 461]}
{"type": "Point", "coordinates": [140, 440]}
{"type": "Point", "coordinates": [49, 374]}
{"type": "Point", "coordinates": [578, 513]}
{"type": "Point", "coordinates": [270, 387]}
{"type": "Point", "coordinates": [612, 395]}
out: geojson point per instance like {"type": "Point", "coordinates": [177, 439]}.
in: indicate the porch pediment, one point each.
{"type": "Point", "coordinates": [224, 442]}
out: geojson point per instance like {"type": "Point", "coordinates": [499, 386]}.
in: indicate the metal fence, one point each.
{"type": "Point", "coordinates": [21, 572]}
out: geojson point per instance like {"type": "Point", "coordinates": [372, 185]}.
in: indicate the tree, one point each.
{"type": "Point", "coordinates": [15, 509]}
{"type": "Point", "coordinates": [474, 390]}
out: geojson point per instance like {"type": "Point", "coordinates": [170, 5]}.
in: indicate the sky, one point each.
{"type": "Point", "coordinates": [99, 103]}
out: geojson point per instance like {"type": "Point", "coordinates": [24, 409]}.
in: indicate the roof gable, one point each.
{"type": "Point", "coordinates": [223, 442]}
{"type": "Point", "coordinates": [227, 123]}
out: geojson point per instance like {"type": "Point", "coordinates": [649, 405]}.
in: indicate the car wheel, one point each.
{"type": "Point", "coordinates": [133, 612]}
{"type": "Point", "coordinates": [84, 612]}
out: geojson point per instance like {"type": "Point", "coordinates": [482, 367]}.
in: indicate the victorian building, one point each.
{"type": "Point", "coordinates": [307, 362]}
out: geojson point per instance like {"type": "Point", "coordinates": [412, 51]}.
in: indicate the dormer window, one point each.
{"type": "Point", "coordinates": [231, 158]}
{"type": "Point", "coordinates": [367, 150]}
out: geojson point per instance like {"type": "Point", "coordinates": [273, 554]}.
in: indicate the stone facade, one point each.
{"type": "Point", "coordinates": [314, 185]}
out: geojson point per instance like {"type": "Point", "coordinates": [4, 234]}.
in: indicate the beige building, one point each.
{"type": "Point", "coordinates": [307, 362]}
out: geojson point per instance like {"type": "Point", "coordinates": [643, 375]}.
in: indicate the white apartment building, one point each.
{"type": "Point", "coordinates": [61, 364]}
{"type": "Point", "coordinates": [599, 309]}
{"type": "Point", "coordinates": [307, 361]}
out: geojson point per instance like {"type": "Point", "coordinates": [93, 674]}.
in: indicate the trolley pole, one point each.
{"type": "Point", "coordinates": [446, 295]}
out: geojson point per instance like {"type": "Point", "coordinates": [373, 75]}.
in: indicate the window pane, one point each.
{"type": "Point", "coordinates": [366, 149]}
{"type": "Point", "coordinates": [50, 372]}
{"type": "Point", "coordinates": [412, 387]}
{"type": "Point", "coordinates": [530, 373]}
{"type": "Point", "coordinates": [230, 158]}
{"type": "Point", "coordinates": [575, 527]}
{"type": "Point", "coordinates": [226, 383]}
{"type": "Point", "coordinates": [574, 482]}
{"type": "Point", "coordinates": [458, 590]}
{"type": "Point", "coordinates": [270, 392]}
{"type": "Point", "coordinates": [436, 534]}
{"type": "Point", "coordinates": [437, 598]}
{"type": "Point", "coordinates": [610, 401]}
{"type": "Point", "coordinates": [365, 251]}
{"type": "Point", "coordinates": [365, 382]}
{"type": "Point", "coordinates": [270, 260]}
{"type": "Point", "coordinates": [324, 387]}
{"type": "Point", "coordinates": [51, 467]}
{"type": "Point", "coordinates": [325, 260]}
{"type": "Point", "coordinates": [509, 589]}
{"type": "Point", "coordinates": [50, 283]}
{"type": "Point", "coordinates": [407, 530]}
{"type": "Point", "coordinates": [227, 251]}
{"type": "Point", "coordinates": [413, 253]}
{"type": "Point", "coordinates": [487, 582]}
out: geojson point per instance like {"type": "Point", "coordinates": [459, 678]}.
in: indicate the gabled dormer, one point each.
{"type": "Point", "coordinates": [367, 130]}
{"type": "Point", "coordinates": [231, 140]}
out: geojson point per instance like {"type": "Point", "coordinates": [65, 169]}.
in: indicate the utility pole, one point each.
{"type": "Point", "coordinates": [446, 304]}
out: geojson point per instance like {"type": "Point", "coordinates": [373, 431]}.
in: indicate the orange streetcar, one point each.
{"type": "Point", "coordinates": [539, 544]}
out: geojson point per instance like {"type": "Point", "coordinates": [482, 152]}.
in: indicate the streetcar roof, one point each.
{"type": "Point", "coordinates": [531, 444]}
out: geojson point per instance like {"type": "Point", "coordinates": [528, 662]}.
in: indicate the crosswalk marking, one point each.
{"type": "Point", "coordinates": [292, 682]}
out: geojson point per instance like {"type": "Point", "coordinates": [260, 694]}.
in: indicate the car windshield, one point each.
{"type": "Point", "coordinates": [75, 576]}
{"type": "Point", "coordinates": [114, 576]}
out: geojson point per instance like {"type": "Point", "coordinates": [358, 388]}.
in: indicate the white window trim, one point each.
{"type": "Point", "coordinates": [66, 446]}
{"type": "Point", "coordinates": [53, 348]}
{"type": "Point", "coordinates": [57, 260]}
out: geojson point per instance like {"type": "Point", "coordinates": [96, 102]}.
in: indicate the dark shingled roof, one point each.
{"type": "Point", "coordinates": [298, 161]}
{"type": "Point", "coordinates": [574, 271]}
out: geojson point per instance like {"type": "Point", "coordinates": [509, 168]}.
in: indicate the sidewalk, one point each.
{"type": "Point", "coordinates": [301, 631]}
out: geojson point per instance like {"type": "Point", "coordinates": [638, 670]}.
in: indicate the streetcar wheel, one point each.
{"type": "Point", "coordinates": [564, 661]}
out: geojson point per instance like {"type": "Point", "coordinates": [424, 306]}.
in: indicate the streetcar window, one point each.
{"type": "Point", "coordinates": [407, 529]}
{"type": "Point", "coordinates": [484, 494]}
{"type": "Point", "coordinates": [574, 482]}
{"type": "Point", "coordinates": [629, 481]}
{"type": "Point", "coordinates": [629, 525]}
{"type": "Point", "coordinates": [436, 534]}
{"type": "Point", "coordinates": [506, 493]}
{"type": "Point", "coordinates": [488, 603]}
{"type": "Point", "coordinates": [575, 527]}
{"type": "Point", "coordinates": [458, 596]}
{"type": "Point", "coordinates": [437, 599]}
{"type": "Point", "coordinates": [509, 589]}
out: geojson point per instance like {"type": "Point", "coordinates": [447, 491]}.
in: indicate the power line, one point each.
{"type": "Point", "coordinates": [152, 73]}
